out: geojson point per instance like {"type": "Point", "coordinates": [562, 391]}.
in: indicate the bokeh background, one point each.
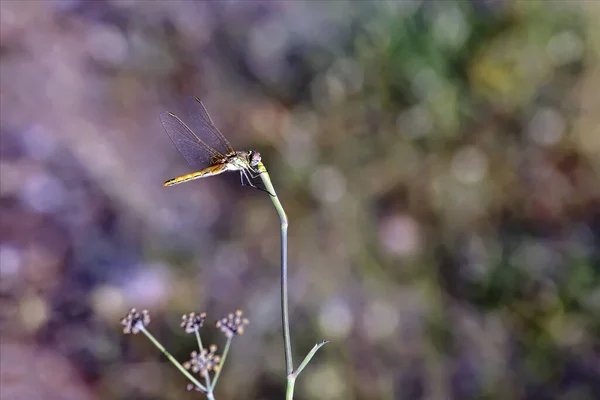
{"type": "Point", "coordinates": [439, 163]}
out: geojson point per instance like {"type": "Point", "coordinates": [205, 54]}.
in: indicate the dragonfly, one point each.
{"type": "Point", "coordinates": [206, 149]}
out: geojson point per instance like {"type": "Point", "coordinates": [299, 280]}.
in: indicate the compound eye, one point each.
{"type": "Point", "coordinates": [255, 158]}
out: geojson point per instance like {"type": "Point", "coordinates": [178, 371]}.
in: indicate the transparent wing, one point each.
{"type": "Point", "coordinates": [205, 127]}
{"type": "Point", "coordinates": [196, 152]}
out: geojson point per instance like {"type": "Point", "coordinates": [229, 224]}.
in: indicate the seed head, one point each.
{"type": "Point", "coordinates": [134, 321]}
{"type": "Point", "coordinates": [233, 324]}
{"type": "Point", "coordinates": [204, 361]}
{"type": "Point", "coordinates": [192, 322]}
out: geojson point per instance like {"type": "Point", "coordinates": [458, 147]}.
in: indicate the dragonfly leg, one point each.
{"type": "Point", "coordinates": [248, 176]}
{"type": "Point", "coordinates": [254, 173]}
{"type": "Point", "coordinates": [244, 173]}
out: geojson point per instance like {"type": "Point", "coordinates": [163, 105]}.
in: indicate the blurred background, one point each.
{"type": "Point", "coordinates": [439, 163]}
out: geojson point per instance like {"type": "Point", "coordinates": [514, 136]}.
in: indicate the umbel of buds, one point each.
{"type": "Point", "coordinates": [233, 324]}
{"type": "Point", "coordinates": [204, 361]}
{"type": "Point", "coordinates": [192, 322]}
{"type": "Point", "coordinates": [134, 321]}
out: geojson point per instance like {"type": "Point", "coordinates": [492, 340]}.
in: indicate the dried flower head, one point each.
{"type": "Point", "coordinates": [192, 322]}
{"type": "Point", "coordinates": [205, 361]}
{"type": "Point", "coordinates": [134, 321]}
{"type": "Point", "coordinates": [233, 324]}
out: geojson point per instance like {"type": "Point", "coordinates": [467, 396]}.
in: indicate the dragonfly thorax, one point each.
{"type": "Point", "coordinates": [251, 157]}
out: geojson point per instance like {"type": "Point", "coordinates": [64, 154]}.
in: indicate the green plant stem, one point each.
{"type": "Point", "coordinates": [209, 394]}
{"type": "Point", "coordinates": [223, 357]}
{"type": "Point", "coordinates": [291, 378]}
{"type": "Point", "coordinates": [309, 356]}
{"type": "Point", "coordinates": [289, 365]}
{"type": "Point", "coordinates": [291, 382]}
{"type": "Point", "coordinates": [206, 375]}
{"type": "Point", "coordinates": [172, 359]}
{"type": "Point", "coordinates": [266, 179]}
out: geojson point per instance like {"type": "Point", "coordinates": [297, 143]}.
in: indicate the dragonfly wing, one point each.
{"type": "Point", "coordinates": [205, 127]}
{"type": "Point", "coordinates": [194, 103]}
{"type": "Point", "coordinates": [196, 152]}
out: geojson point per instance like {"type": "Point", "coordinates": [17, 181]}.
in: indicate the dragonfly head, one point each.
{"type": "Point", "coordinates": [254, 157]}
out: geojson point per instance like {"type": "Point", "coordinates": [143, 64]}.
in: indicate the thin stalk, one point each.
{"type": "Point", "coordinates": [289, 365]}
{"type": "Point", "coordinates": [172, 359]}
{"type": "Point", "coordinates": [266, 179]}
{"type": "Point", "coordinates": [223, 357]}
{"type": "Point", "coordinates": [309, 356]}
{"type": "Point", "coordinates": [209, 394]}
{"type": "Point", "coordinates": [206, 376]}
{"type": "Point", "coordinates": [199, 340]}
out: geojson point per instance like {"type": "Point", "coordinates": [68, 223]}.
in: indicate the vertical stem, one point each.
{"type": "Point", "coordinates": [206, 376]}
{"type": "Point", "coordinates": [291, 382]}
{"type": "Point", "coordinates": [284, 299]}
{"type": "Point", "coordinates": [289, 365]}
{"type": "Point", "coordinates": [291, 378]}
{"type": "Point", "coordinates": [210, 395]}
